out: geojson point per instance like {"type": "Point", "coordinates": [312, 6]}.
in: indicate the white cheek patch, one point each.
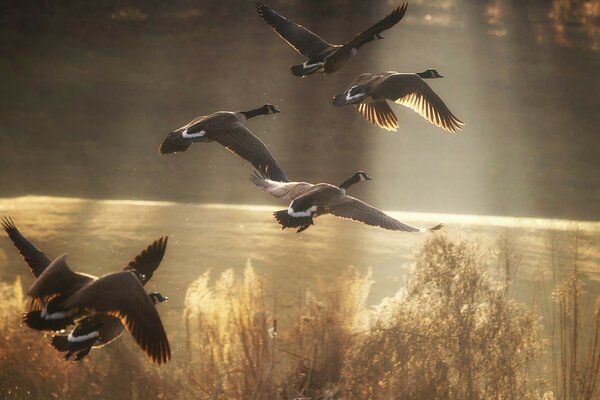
{"type": "Point", "coordinates": [57, 315]}
{"type": "Point", "coordinates": [192, 135]}
{"type": "Point", "coordinates": [307, 213]}
{"type": "Point", "coordinates": [83, 338]}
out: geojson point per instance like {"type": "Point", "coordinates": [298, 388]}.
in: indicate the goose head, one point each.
{"type": "Point", "coordinates": [430, 74]}
{"type": "Point", "coordinates": [157, 298]}
{"type": "Point", "coordinates": [271, 109]}
{"type": "Point", "coordinates": [359, 176]}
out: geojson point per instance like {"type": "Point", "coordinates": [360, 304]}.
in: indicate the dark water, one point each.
{"type": "Point", "coordinates": [87, 92]}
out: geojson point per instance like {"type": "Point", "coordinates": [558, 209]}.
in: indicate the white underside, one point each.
{"type": "Point", "coordinates": [307, 213]}
{"type": "Point", "coordinates": [83, 338]}
{"type": "Point", "coordinates": [192, 135]}
{"type": "Point", "coordinates": [57, 315]}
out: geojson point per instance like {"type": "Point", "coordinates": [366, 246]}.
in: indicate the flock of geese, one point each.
{"type": "Point", "coordinates": [102, 308]}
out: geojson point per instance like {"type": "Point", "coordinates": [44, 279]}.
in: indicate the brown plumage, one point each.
{"type": "Point", "coordinates": [369, 93]}
{"type": "Point", "coordinates": [309, 201]}
{"type": "Point", "coordinates": [227, 128]}
{"type": "Point", "coordinates": [320, 54]}
{"type": "Point", "coordinates": [122, 295]}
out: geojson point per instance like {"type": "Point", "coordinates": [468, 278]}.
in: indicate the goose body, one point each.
{"type": "Point", "coordinates": [102, 308]}
{"type": "Point", "coordinates": [228, 129]}
{"type": "Point", "coordinates": [370, 92]}
{"type": "Point", "coordinates": [308, 201]}
{"type": "Point", "coordinates": [320, 54]}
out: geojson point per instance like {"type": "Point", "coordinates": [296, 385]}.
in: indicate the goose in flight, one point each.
{"type": "Point", "coordinates": [102, 307]}
{"type": "Point", "coordinates": [320, 54]}
{"type": "Point", "coordinates": [370, 92]}
{"type": "Point", "coordinates": [228, 129]}
{"type": "Point", "coordinates": [309, 201]}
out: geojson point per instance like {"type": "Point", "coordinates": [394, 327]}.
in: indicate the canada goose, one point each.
{"type": "Point", "coordinates": [312, 200]}
{"type": "Point", "coordinates": [369, 92]}
{"type": "Point", "coordinates": [227, 128]}
{"type": "Point", "coordinates": [52, 309]}
{"type": "Point", "coordinates": [320, 54]}
{"type": "Point", "coordinates": [94, 331]}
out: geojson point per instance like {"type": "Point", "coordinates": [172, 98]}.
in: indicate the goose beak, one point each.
{"type": "Point", "coordinates": [275, 110]}
{"type": "Point", "coordinates": [368, 178]}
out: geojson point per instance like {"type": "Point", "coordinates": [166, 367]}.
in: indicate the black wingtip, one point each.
{"type": "Point", "coordinates": [8, 224]}
{"type": "Point", "coordinates": [436, 228]}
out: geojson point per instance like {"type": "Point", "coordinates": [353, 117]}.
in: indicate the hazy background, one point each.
{"type": "Point", "coordinates": [88, 91]}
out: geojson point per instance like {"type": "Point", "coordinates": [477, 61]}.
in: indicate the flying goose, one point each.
{"type": "Point", "coordinates": [56, 283]}
{"type": "Point", "coordinates": [320, 54]}
{"type": "Point", "coordinates": [369, 92]}
{"type": "Point", "coordinates": [309, 201]}
{"type": "Point", "coordinates": [227, 128]}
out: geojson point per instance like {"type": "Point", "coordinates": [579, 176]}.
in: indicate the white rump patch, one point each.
{"type": "Point", "coordinates": [306, 213]}
{"type": "Point", "coordinates": [355, 96]}
{"type": "Point", "coordinates": [57, 315]}
{"type": "Point", "coordinates": [305, 65]}
{"type": "Point", "coordinates": [192, 135]}
{"type": "Point", "coordinates": [83, 338]}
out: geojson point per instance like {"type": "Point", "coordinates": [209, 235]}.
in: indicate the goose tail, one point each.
{"type": "Point", "coordinates": [174, 143]}
{"type": "Point", "coordinates": [288, 221]}
{"type": "Point", "coordinates": [34, 320]}
{"type": "Point", "coordinates": [60, 343]}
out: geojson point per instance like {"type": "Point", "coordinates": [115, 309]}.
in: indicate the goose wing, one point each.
{"type": "Point", "coordinates": [413, 92]}
{"type": "Point", "coordinates": [148, 260]}
{"type": "Point", "coordinates": [122, 295]}
{"type": "Point", "coordinates": [56, 279]}
{"type": "Point", "coordinates": [378, 112]}
{"type": "Point", "coordinates": [357, 210]}
{"type": "Point", "coordinates": [367, 35]}
{"type": "Point", "coordinates": [286, 190]}
{"type": "Point", "coordinates": [239, 140]}
{"type": "Point", "coordinates": [301, 39]}
{"type": "Point", "coordinates": [34, 257]}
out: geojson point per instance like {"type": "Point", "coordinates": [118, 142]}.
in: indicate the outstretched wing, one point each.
{"type": "Point", "coordinates": [378, 112]}
{"type": "Point", "coordinates": [241, 141]}
{"type": "Point", "coordinates": [367, 35]}
{"type": "Point", "coordinates": [413, 92]}
{"type": "Point", "coordinates": [34, 257]}
{"type": "Point", "coordinates": [57, 279]}
{"type": "Point", "coordinates": [357, 210]}
{"type": "Point", "coordinates": [286, 190]}
{"type": "Point", "coordinates": [148, 260]}
{"type": "Point", "coordinates": [301, 39]}
{"type": "Point", "coordinates": [122, 295]}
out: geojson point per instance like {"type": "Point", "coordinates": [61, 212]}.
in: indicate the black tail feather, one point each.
{"type": "Point", "coordinates": [34, 320]}
{"type": "Point", "coordinates": [60, 342]}
{"type": "Point", "coordinates": [174, 143]}
{"type": "Point", "coordinates": [287, 221]}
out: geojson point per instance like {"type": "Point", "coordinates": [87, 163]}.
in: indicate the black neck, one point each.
{"type": "Point", "coordinates": [257, 111]}
{"type": "Point", "coordinates": [349, 182]}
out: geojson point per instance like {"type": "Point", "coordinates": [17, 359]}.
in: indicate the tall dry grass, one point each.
{"type": "Point", "coordinates": [451, 333]}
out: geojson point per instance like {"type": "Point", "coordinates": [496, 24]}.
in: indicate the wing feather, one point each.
{"type": "Point", "coordinates": [241, 141]}
{"type": "Point", "coordinates": [357, 210]}
{"type": "Point", "coordinates": [148, 260]}
{"type": "Point", "coordinates": [34, 257]}
{"type": "Point", "coordinates": [122, 295]}
{"type": "Point", "coordinates": [413, 92]}
{"type": "Point", "coordinates": [305, 42]}
{"type": "Point", "coordinates": [286, 190]}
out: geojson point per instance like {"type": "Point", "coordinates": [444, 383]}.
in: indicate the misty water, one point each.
{"type": "Point", "coordinates": [84, 106]}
